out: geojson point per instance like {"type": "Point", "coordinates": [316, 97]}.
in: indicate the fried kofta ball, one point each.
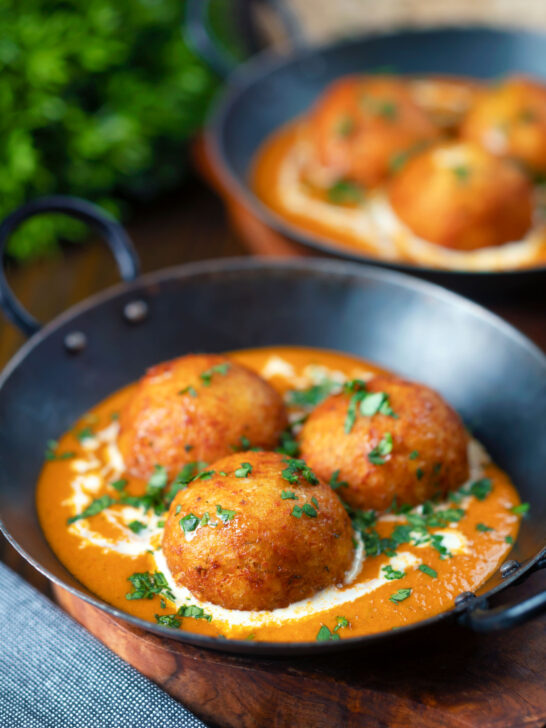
{"type": "Point", "coordinates": [386, 439]}
{"type": "Point", "coordinates": [510, 121]}
{"type": "Point", "coordinates": [358, 129]}
{"type": "Point", "coordinates": [459, 196]}
{"type": "Point", "coordinates": [199, 407]}
{"type": "Point", "coordinates": [260, 533]}
{"type": "Point", "coordinates": [445, 99]}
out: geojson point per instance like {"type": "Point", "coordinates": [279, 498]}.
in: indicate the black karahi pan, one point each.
{"type": "Point", "coordinates": [269, 90]}
{"type": "Point", "coordinates": [489, 372]}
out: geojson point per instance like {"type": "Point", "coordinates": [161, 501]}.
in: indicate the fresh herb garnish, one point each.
{"type": "Point", "coordinates": [482, 528]}
{"type": "Point", "coordinates": [399, 595]}
{"type": "Point", "coordinates": [377, 456]}
{"type": "Point", "coordinates": [313, 396]}
{"type": "Point", "coordinates": [168, 620]}
{"type": "Point", "coordinates": [419, 473]}
{"type": "Point", "coordinates": [191, 610]}
{"type": "Point", "coordinates": [85, 434]}
{"type": "Point", "coordinates": [207, 375]}
{"type": "Point", "coordinates": [119, 485]}
{"type": "Point", "coordinates": [508, 539]}
{"type": "Point", "coordinates": [376, 402]}
{"type": "Point", "coordinates": [480, 489]}
{"type": "Point", "coordinates": [225, 514]}
{"type": "Point", "coordinates": [189, 522]}
{"type": "Point", "coordinates": [521, 509]}
{"type": "Point", "coordinates": [244, 471]}
{"type": "Point", "coordinates": [288, 495]}
{"type": "Point", "coordinates": [146, 585]}
{"type": "Point", "coordinates": [158, 480]}
{"type": "Point", "coordinates": [336, 483]}
{"type": "Point", "coordinates": [289, 445]}
{"type": "Point", "coordinates": [462, 173]}
{"type": "Point", "coordinates": [391, 574]}
{"type": "Point", "coordinates": [96, 506]}
{"type": "Point", "coordinates": [414, 454]}
{"type": "Point", "coordinates": [345, 126]}
{"type": "Point", "coordinates": [308, 509]}
{"type": "Point", "coordinates": [344, 191]}
{"type": "Point", "coordinates": [428, 570]}
{"type": "Point", "coordinates": [296, 512]}
{"type": "Point", "coordinates": [137, 526]}
{"type": "Point", "coordinates": [324, 634]}
{"type": "Point", "coordinates": [51, 454]}
{"type": "Point", "coordinates": [189, 390]}
{"type": "Point", "coordinates": [295, 469]}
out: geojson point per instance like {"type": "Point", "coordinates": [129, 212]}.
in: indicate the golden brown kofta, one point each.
{"type": "Point", "coordinates": [459, 196]}
{"type": "Point", "coordinates": [199, 407]}
{"type": "Point", "coordinates": [445, 99]}
{"type": "Point", "coordinates": [510, 121]}
{"type": "Point", "coordinates": [412, 454]}
{"type": "Point", "coordinates": [260, 533]}
{"type": "Point", "coordinates": [359, 127]}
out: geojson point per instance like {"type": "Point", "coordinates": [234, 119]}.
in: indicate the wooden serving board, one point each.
{"type": "Point", "coordinates": [444, 677]}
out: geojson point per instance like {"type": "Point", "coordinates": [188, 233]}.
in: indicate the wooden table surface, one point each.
{"type": "Point", "coordinates": [493, 680]}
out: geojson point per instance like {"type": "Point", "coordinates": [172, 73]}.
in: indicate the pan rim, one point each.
{"type": "Point", "coordinates": [250, 72]}
{"type": "Point", "coordinates": [243, 265]}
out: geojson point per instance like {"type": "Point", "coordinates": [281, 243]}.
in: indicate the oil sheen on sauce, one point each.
{"type": "Point", "coordinates": [105, 549]}
{"type": "Point", "coordinates": [371, 226]}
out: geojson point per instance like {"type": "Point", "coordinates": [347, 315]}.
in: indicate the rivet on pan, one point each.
{"type": "Point", "coordinates": [463, 598]}
{"type": "Point", "coordinates": [136, 311]}
{"type": "Point", "coordinates": [75, 341]}
{"type": "Point", "coordinates": [509, 567]}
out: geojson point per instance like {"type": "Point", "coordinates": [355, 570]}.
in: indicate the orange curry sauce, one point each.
{"type": "Point", "coordinates": [105, 572]}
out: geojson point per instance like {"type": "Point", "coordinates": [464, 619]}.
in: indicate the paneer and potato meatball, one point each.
{"type": "Point", "coordinates": [386, 439]}
{"type": "Point", "coordinates": [260, 532]}
{"type": "Point", "coordinates": [510, 121]}
{"type": "Point", "coordinates": [358, 128]}
{"type": "Point", "coordinates": [199, 407]}
{"type": "Point", "coordinates": [460, 196]}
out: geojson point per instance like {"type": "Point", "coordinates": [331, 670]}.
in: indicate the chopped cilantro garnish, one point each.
{"type": "Point", "coordinates": [428, 570]}
{"type": "Point", "coordinates": [521, 509]}
{"type": "Point", "coordinates": [225, 514]}
{"type": "Point", "coordinates": [146, 585]}
{"type": "Point", "coordinates": [391, 574]}
{"type": "Point", "coordinates": [314, 501]}
{"type": "Point", "coordinates": [289, 445]}
{"type": "Point", "coordinates": [414, 455]}
{"type": "Point", "coordinates": [207, 375]}
{"type": "Point", "coordinates": [308, 509]}
{"type": "Point", "coordinates": [378, 454]}
{"type": "Point", "coordinates": [188, 447]}
{"type": "Point", "coordinates": [85, 434]}
{"type": "Point", "coordinates": [114, 416]}
{"type": "Point", "coordinates": [419, 473]}
{"type": "Point", "coordinates": [313, 396]}
{"type": "Point", "coordinates": [344, 191]}
{"type": "Point", "coordinates": [119, 485]}
{"type": "Point", "coordinates": [399, 595]}
{"type": "Point", "coordinates": [480, 489]}
{"type": "Point", "coordinates": [345, 126]}
{"type": "Point", "coordinates": [205, 475]}
{"type": "Point", "coordinates": [296, 512]}
{"type": "Point", "coordinates": [508, 539]}
{"type": "Point", "coordinates": [482, 528]}
{"type": "Point", "coordinates": [244, 471]}
{"type": "Point", "coordinates": [189, 390]}
{"type": "Point", "coordinates": [324, 634]}
{"type": "Point", "coordinates": [191, 610]}
{"type": "Point", "coordinates": [376, 402]}
{"type": "Point", "coordinates": [158, 480]}
{"type": "Point", "coordinates": [336, 483]}
{"type": "Point", "coordinates": [51, 454]}
{"type": "Point", "coordinates": [168, 620]}
{"type": "Point", "coordinates": [462, 172]}
{"type": "Point", "coordinates": [296, 468]}
{"type": "Point", "coordinates": [288, 495]}
{"type": "Point", "coordinates": [189, 522]}
{"type": "Point", "coordinates": [96, 506]}
{"type": "Point", "coordinates": [136, 526]}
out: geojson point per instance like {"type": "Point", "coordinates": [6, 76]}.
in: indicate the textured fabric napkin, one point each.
{"type": "Point", "coordinates": [54, 674]}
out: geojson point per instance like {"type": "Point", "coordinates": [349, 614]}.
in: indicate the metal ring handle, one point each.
{"type": "Point", "coordinates": [480, 618]}
{"type": "Point", "coordinates": [200, 38]}
{"type": "Point", "coordinates": [98, 219]}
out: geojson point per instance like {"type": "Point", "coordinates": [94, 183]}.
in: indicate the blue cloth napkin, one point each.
{"type": "Point", "coordinates": [54, 674]}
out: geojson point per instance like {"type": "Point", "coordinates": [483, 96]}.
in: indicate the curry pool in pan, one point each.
{"type": "Point", "coordinates": [380, 570]}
